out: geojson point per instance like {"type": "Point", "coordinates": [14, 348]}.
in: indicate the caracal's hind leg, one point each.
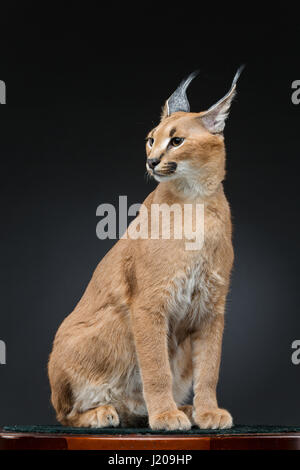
{"type": "Point", "coordinates": [104, 416]}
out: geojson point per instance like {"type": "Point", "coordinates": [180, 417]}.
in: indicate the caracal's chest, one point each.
{"type": "Point", "coordinates": [193, 292]}
{"type": "Point", "coordinates": [194, 289]}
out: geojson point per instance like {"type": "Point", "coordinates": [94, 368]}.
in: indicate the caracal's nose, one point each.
{"type": "Point", "coordinates": [152, 162]}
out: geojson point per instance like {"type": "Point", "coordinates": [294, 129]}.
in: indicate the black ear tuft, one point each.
{"type": "Point", "coordinates": [178, 100]}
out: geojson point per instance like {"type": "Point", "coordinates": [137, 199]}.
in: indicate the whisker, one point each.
{"type": "Point", "coordinates": [147, 176]}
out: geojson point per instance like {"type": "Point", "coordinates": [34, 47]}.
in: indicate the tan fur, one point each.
{"type": "Point", "coordinates": [151, 319]}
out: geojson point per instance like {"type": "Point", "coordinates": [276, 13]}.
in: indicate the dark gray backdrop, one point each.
{"type": "Point", "coordinates": [72, 137]}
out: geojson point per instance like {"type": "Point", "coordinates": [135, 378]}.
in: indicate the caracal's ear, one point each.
{"type": "Point", "coordinates": [214, 118]}
{"type": "Point", "coordinates": [178, 100]}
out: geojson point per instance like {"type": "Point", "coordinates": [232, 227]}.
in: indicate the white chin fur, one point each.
{"type": "Point", "coordinates": [163, 178]}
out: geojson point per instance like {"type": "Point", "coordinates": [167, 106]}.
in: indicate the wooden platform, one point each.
{"type": "Point", "coordinates": [44, 441]}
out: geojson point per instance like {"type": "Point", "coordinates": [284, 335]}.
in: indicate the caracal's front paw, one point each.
{"type": "Point", "coordinates": [170, 421]}
{"type": "Point", "coordinates": [101, 417]}
{"type": "Point", "coordinates": [215, 418]}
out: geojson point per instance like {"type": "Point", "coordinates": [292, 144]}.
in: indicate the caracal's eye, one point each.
{"type": "Point", "coordinates": [176, 141]}
{"type": "Point", "coordinates": [150, 141]}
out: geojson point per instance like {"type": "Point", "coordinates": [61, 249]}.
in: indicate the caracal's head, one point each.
{"type": "Point", "coordinates": [186, 147]}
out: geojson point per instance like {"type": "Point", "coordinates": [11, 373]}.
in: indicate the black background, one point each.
{"type": "Point", "coordinates": [84, 86]}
